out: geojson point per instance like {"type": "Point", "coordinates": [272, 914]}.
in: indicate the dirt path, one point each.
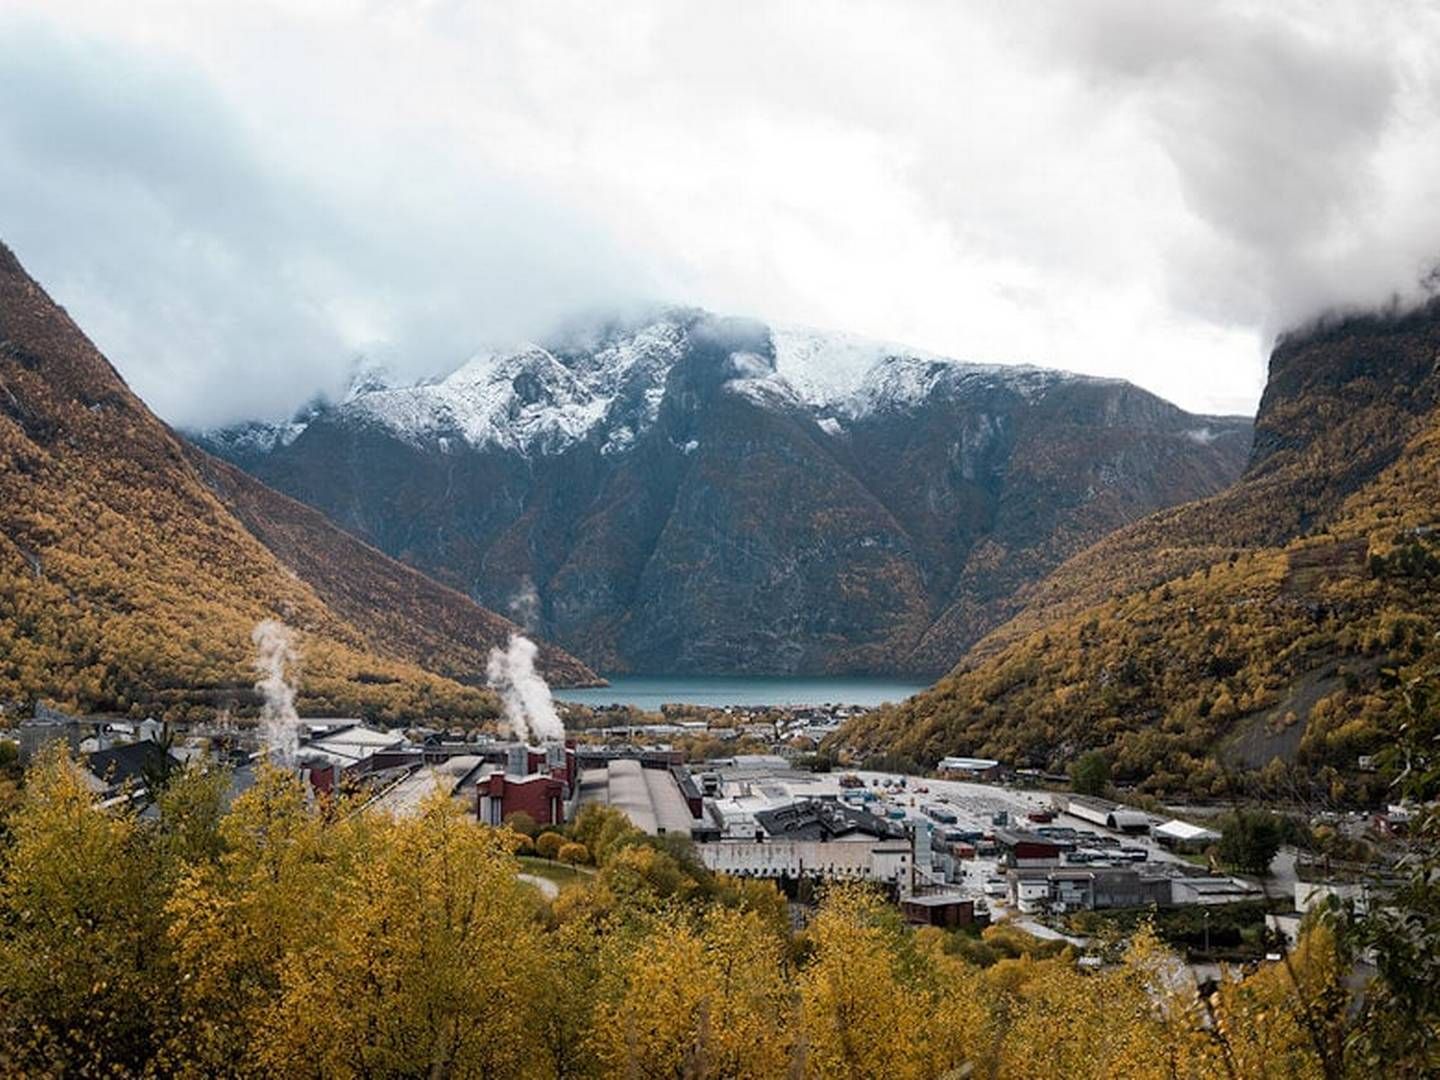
{"type": "Point", "coordinates": [546, 886]}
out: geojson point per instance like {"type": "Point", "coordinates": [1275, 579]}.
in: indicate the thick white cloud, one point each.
{"type": "Point", "coordinates": [235, 198]}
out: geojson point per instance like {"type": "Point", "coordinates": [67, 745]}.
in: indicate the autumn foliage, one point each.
{"type": "Point", "coordinates": [284, 939]}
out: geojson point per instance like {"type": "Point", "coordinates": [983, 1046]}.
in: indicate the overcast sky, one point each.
{"type": "Point", "coordinates": [236, 199]}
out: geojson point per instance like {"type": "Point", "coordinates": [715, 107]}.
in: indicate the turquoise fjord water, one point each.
{"type": "Point", "coordinates": [651, 691]}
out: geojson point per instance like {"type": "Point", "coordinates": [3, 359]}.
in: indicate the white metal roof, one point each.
{"type": "Point", "coordinates": [968, 764]}
{"type": "Point", "coordinates": [1183, 830]}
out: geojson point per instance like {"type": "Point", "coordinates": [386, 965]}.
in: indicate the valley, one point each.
{"type": "Point", "coordinates": [682, 541]}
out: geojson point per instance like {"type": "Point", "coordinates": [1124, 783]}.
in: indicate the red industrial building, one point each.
{"type": "Point", "coordinates": [538, 781]}
{"type": "Point", "coordinates": [947, 910]}
{"type": "Point", "coordinates": [543, 797]}
{"type": "Point", "coordinates": [1027, 849]}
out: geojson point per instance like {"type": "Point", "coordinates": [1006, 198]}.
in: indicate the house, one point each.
{"type": "Point", "coordinates": [1030, 893]}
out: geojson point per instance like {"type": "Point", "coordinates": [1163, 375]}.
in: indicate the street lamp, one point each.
{"type": "Point", "coordinates": [1205, 915]}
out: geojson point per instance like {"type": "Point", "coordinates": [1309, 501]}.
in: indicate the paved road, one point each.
{"type": "Point", "coordinates": [545, 885]}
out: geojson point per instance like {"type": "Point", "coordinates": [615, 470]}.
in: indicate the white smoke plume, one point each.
{"type": "Point", "coordinates": [275, 655]}
{"type": "Point", "coordinates": [525, 606]}
{"type": "Point", "coordinates": [529, 709]}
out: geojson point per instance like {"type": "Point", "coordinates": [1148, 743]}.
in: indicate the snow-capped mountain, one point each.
{"type": "Point", "coordinates": [608, 383]}
{"type": "Point", "coordinates": [694, 492]}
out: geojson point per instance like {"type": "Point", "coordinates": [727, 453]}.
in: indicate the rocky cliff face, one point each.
{"type": "Point", "coordinates": [1263, 628]}
{"type": "Point", "coordinates": [689, 493]}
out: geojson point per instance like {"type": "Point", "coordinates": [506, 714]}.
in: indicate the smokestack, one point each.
{"type": "Point", "coordinates": [517, 760]}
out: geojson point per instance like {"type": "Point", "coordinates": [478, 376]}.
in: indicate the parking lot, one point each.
{"type": "Point", "coordinates": [975, 806]}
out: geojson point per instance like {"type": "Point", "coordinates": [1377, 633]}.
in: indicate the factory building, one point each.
{"type": "Point", "coordinates": [864, 859]}
{"type": "Point", "coordinates": [1182, 836]}
{"type": "Point", "coordinates": [1111, 815]}
{"type": "Point", "coordinates": [334, 752]}
{"type": "Point", "coordinates": [650, 795]}
{"type": "Point", "coordinates": [1069, 889]}
{"type": "Point", "coordinates": [969, 768]}
{"type": "Point", "coordinates": [1027, 849]}
{"type": "Point", "coordinates": [501, 794]}
{"type": "Point", "coordinates": [539, 781]}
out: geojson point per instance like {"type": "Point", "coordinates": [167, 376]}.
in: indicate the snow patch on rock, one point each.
{"type": "Point", "coordinates": [606, 381]}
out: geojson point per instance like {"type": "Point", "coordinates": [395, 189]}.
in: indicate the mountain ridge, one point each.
{"type": "Point", "coordinates": [125, 583]}
{"type": "Point", "coordinates": [703, 494]}
{"type": "Point", "coordinates": [1257, 633]}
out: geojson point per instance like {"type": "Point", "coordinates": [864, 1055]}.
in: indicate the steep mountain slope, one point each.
{"type": "Point", "coordinates": [392, 605]}
{"type": "Point", "coordinates": [1267, 622]}
{"type": "Point", "coordinates": [126, 584]}
{"type": "Point", "coordinates": [689, 493]}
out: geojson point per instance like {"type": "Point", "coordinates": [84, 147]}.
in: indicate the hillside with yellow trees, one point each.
{"type": "Point", "coordinates": [1247, 639]}
{"type": "Point", "coordinates": [126, 584]}
{"type": "Point", "coordinates": [279, 940]}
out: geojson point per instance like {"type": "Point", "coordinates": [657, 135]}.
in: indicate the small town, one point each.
{"type": "Point", "coordinates": [662, 540]}
{"type": "Point", "coordinates": [973, 845]}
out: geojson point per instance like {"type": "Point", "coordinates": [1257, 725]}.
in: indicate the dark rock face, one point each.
{"type": "Point", "coordinates": [1287, 580]}
{"type": "Point", "coordinates": [1341, 400]}
{"type": "Point", "coordinates": [683, 502]}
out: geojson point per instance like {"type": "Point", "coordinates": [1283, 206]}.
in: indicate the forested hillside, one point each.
{"type": "Point", "coordinates": [1249, 632]}
{"type": "Point", "coordinates": [125, 583]}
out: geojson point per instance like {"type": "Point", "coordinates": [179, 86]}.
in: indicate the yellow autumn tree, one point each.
{"type": "Point", "coordinates": [429, 964]}
{"type": "Point", "coordinates": [1285, 1019]}
{"type": "Point", "coordinates": [234, 922]}
{"type": "Point", "coordinates": [695, 1001]}
{"type": "Point", "coordinates": [858, 1019]}
{"type": "Point", "coordinates": [84, 973]}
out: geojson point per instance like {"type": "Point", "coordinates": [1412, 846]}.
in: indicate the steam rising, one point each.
{"type": "Point", "coordinates": [275, 654]}
{"type": "Point", "coordinates": [525, 606]}
{"type": "Point", "coordinates": [529, 709]}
